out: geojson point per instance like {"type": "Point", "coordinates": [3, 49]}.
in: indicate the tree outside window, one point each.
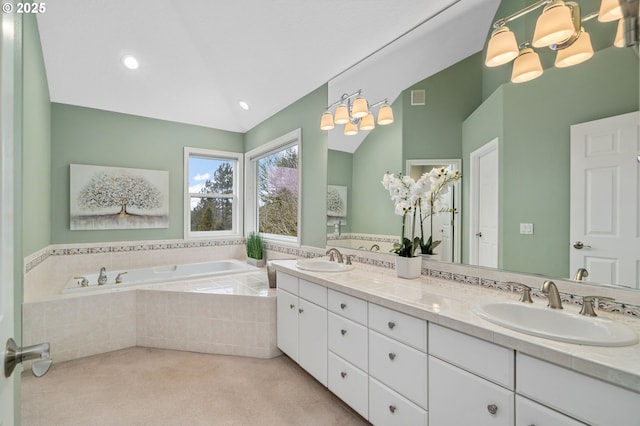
{"type": "Point", "coordinates": [278, 187]}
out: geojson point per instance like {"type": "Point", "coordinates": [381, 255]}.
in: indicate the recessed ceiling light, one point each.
{"type": "Point", "coordinates": [243, 105]}
{"type": "Point", "coordinates": [130, 62]}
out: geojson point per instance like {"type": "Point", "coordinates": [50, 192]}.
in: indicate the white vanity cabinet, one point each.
{"type": "Point", "coordinates": [585, 398]}
{"type": "Point", "coordinates": [348, 350]}
{"type": "Point", "coordinates": [302, 323]}
{"type": "Point", "coordinates": [397, 368]}
{"type": "Point", "coordinates": [471, 381]}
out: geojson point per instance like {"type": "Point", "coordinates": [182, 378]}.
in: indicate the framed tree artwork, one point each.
{"type": "Point", "coordinates": [118, 198]}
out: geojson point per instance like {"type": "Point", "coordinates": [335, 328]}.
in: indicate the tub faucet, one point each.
{"type": "Point", "coordinates": [580, 274]}
{"type": "Point", "coordinates": [549, 288]}
{"type": "Point", "coordinates": [337, 253]}
{"type": "Point", "coordinates": [102, 277]}
{"type": "Point", "coordinates": [119, 277]}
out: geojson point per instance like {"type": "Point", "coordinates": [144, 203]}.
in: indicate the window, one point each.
{"type": "Point", "coordinates": [213, 187]}
{"type": "Point", "coordinates": [273, 188]}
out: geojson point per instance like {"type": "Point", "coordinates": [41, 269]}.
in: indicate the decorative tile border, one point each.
{"type": "Point", "coordinates": [40, 256]}
{"type": "Point", "coordinates": [364, 237]}
{"type": "Point", "coordinates": [37, 258]}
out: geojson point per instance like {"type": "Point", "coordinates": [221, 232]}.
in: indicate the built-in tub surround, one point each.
{"type": "Point", "coordinates": [448, 303]}
{"type": "Point", "coordinates": [225, 314]}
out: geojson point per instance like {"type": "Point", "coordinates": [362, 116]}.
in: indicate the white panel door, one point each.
{"type": "Point", "coordinates": [483, 244]}
{"type": "Point", "coordinates": [604, 199]}
{"type": "Point", "coordinates": [7, 397]}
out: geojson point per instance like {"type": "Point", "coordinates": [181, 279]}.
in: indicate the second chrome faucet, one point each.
{"type": "Point", "coordinates": [549, 288]}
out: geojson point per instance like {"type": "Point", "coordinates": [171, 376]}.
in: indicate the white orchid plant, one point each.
{"type": "Point", "coordinates": [416, 201]}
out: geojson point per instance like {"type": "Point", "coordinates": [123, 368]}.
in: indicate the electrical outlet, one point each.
{"type": "Point", "coordinates": [526, 228]}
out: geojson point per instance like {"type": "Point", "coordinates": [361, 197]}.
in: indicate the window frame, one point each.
{"type": "Point", "coordinates": [251, 183]}
{"type": "Point", "coordinates": [236, 196]}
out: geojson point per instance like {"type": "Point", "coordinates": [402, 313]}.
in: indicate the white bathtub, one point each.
{"type": "Point", "coordinates": [160, 274]}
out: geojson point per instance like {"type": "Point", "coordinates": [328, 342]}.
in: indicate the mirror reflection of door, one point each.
{"type": "Point", "coordinates": [446, 226]}
{"type": "Point", "coordinates": [605, 221]}
{"type": "Point", "coordinates": [483, 211]}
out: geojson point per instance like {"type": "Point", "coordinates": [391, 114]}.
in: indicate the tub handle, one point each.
{"type": "Point", "coordinates": [83, 283]}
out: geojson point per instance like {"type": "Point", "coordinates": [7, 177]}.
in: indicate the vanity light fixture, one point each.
{"type": "Point", "coordinates": [558, 27]}
{"type": "Point", "coordinates": [355, 112]}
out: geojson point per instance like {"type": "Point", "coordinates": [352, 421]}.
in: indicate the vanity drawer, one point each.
{"type": "Point", "coordinates": [349, 383]}
{"type": "Point", "coordinates": [485, 359]}
{"type": "Point", "coordinates": [399, 326]}
{"type": "Point", "coordinates": [398, 366]}
{"type": "Point", "coordinates": [287, 282]}
{"type": "Point", "coordinates": [348, 340]}
{"type": "Point", "coordinates": [348, 306]}
{"type": "Point", "coordinates": [582, 397]}
{"type": "Point", "coordinates": [531, 413]}
{"type": "Point", "coordinates": [387, 407]}
{"type": "Point", "coordinates": [313, 293]}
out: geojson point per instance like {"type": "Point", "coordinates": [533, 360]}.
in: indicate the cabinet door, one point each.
{"type": "Point", "coordinates": [312, 333]}
{"type": "Point", "coordinates": [457, 397]}
{"type": "Point", "coordinates": [287, 320]}
{"type": "Point", "coordinates": [531, 413]}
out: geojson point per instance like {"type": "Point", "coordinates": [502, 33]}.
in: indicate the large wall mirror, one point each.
{"type": "Point", "coordinates": [532, 125]}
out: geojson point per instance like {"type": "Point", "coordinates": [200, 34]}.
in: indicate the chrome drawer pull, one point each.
{"type": "Point", "coordinates": [391, 324]}
{"type": "Point", "coordinates": [392, 408]}
{"type": "Point", "coordinates": [493, 408]}
{"type": "Point", "coordinates": [343, 305]}
{"type": "Point", "coordinates": [292, 306]}
{"type": "Point", "coordinates": [343, 374]}
{"type": "Point", "coordinates": [343, 331]}
{"type": "Point", "coordinates": [392, 356]}
{"type": "Point", "coordinates": [301, 310]}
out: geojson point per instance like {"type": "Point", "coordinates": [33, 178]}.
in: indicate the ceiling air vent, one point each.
{"type": "Point", "coordinates": [418, 97]}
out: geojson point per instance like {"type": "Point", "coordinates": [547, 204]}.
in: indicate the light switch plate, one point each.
{"type": "Point", "coordinates": [526, 228]}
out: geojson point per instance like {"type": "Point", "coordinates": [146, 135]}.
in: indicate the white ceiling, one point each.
{"type": "Point", "coordinates": [198, 58]}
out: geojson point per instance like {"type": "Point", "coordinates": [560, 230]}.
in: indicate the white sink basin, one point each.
{"type": "Point", "coordinates": [322, 265]}
{"type": "Point", "coordinates": [556, 324]}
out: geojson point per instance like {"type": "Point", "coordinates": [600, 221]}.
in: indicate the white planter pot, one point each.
{"type": "Point", "coordinates": [408, 267]}
{"type": "Point", "coordinates": [256, 262]}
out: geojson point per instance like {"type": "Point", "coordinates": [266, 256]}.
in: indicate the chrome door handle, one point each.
{"type": "Point", "coordinates": [14, 355]}
{"type": "Point", "coordinates": [578, 245]}
{"type": "Point", "coordinates": [479, 234]}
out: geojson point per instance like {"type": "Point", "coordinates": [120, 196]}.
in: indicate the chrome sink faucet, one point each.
{"type": "Point", "coordinates": [549, 288]}
{"type": "Point", "coordinates": [581, 273]}
{"type": "Point", "coordinates": [102, 277]}
{"type": "Point", "coordinates": [334, 251]}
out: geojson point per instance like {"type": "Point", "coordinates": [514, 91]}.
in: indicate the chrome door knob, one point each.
{"type": "Point", "coordinates": [14, 355]}
{"type": "Point", "coordinates": [492, 408]}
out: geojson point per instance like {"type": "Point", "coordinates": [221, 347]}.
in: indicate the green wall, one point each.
{"type": "Point", "coordinates": [434, 130]}
{"type": "Point", "coordinates": [339, 172]}
{"type": "Point", "coordinates": [380, 152]}
{"type": "Point", "coordinates": [304, 114]}
{"type": "Point", "coordinates": [532, 121]}
{"type": "Point", "coordinates": [36, 139]}
{"type": "Point", "coordinates": [89, 136]}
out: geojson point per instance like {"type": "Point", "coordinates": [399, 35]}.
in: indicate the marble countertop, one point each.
{"type": "Point", "coordinates": [449, 304]}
